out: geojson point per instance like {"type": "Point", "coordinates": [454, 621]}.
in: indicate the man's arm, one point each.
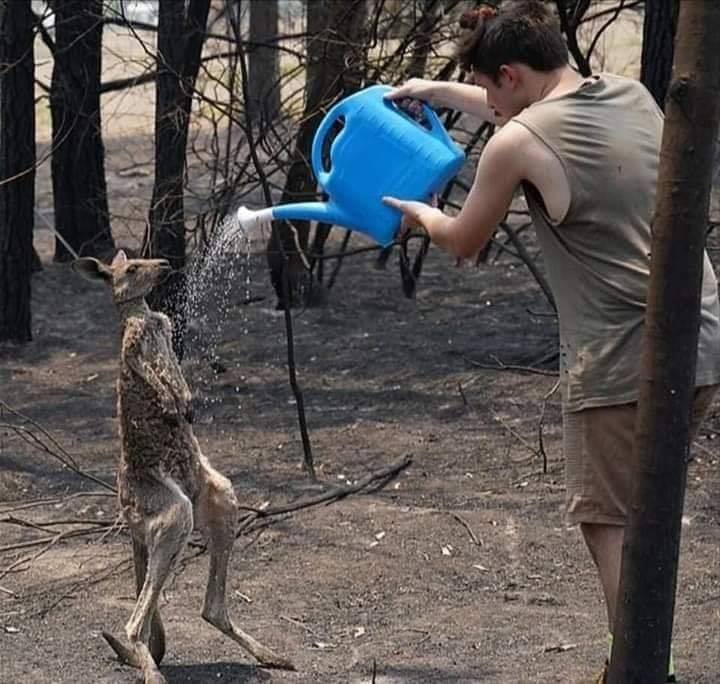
{"type": "Point", "coordinates": [499, 172]}
{"type": "Point", "coordinates": [463, 97]}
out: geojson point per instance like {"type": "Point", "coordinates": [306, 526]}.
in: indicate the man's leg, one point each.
{"type": "Point", "coordinates": [605, 545]}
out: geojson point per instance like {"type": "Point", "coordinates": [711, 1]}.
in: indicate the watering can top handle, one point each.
{"type": "Point", "coordinates": [436, 126]}
{"type": "Point", "coordinates": [319, 140]}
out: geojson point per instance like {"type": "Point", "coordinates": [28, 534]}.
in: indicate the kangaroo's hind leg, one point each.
{"type": "Point", "coordinates": [217, 513]}
{"type": "Point", "coordinates": [165, 531]}
{"type": "Point", "coordinates": [156, 643]}
{"type": "Point", "coordinates": [157, 631]}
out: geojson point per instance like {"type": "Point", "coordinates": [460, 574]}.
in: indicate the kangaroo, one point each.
{"type": "Point", "coordinates": [165, 483]}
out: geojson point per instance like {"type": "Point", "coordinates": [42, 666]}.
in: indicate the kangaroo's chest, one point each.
{"type": "Point", "coordinates": [153, 398]}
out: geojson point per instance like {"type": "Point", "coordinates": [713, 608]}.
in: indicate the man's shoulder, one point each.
{"type": "Point", "coordinates": [522, 146]}
{"type": "Point", "coordinates": [623, 83]}
{"type": "Point", "coordinates": [510, 141]}
{"type": "Point", "coordinates": [512, 134]}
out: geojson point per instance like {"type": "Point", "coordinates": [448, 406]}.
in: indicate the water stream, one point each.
{"type": "Point", "coordinates": [218, 287]}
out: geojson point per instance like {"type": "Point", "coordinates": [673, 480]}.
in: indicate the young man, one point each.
{"type": "Point", "coordinates": [586, 153]}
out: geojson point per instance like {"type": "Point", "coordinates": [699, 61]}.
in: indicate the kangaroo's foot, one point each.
{"type": "Point", "coordinates": [139, 657]}
{"type": "Point", "coordinates": [265, 656]}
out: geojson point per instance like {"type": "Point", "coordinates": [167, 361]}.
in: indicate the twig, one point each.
{"type": "Point", "coordinates": [58, 537]}
{"type": "Point", "coordinates": [541, 443]}
{"type": "Point", "coordinates": [34, 557]}
{"type": "Point", "coordinates": [696, 444]}
{"type": "Point", "coordinates": [12, 520]}
{"type": "Point", "coordinates": [285, 277]}
{"type": "Point", "coordinates": [54, 500]}
{"type": "Point", "coordinates": [500, 365]}
{"type": "Point", "coordinates": [462, 395]}
{"type": "Point", "coordinates": [88, 581]}
{"type": "Point", "coordinates": [58, 452]}
{"type": "Point", "coordinates": [469, 529]}
{"type": "Point", "coordinates": [373, 481]}
{"type": "Point", "coordinates": [292, 621]}
{"type": "Point", "coordinates": [8, 592]}
{"type": "Point", "coordinates": [517, 435]}
{"type": "Point", "coordinates": [38, 427]}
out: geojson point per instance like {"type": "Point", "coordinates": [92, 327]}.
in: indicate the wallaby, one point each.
{"type": "Point", "coordinates": [165, 483]}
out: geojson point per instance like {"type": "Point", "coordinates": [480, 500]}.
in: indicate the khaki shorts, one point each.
{"type": "Point", "coordinates": [598, 446]}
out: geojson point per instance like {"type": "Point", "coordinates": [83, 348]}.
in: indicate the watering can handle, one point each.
{"type": "Point", "coordinates": [437, 130]}
{"type": "Point", "coordinates": [326, 124]}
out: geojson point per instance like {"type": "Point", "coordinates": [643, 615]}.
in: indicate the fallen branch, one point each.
{"type": "Point", "coordinates": [53, 501]}
{"type": "Point", "coordinates": [55, 538]}
{"type": "Point", "coordinates": [501, 366]}
{"type": "Point", "coordinates": [469, 529]}
{"type": "Point", "coordinates": [372, 482]}
{"type": "Point", "coordinates": [87, 581]}
{"type": "Point", "coordinates": [54, 448]}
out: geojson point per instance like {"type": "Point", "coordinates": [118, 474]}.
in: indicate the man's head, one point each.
{"type": "Point", "coordinates": [509, 47]}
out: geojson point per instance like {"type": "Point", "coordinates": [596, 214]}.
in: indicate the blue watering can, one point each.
{"type": "Point", "coordinates": [380, 151]}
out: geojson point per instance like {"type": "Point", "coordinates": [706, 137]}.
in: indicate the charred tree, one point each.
{"type": "Point", "coordinates": [645, 608]}
{"type": "Point", "coordinates": [263, 61]}
{"type": "Point", "coordinates": [181, 34]}
{"type": "Point", "coordinates": [423, 39]}
{"type": "Point", "coordinates": [333, 29]}
{"type": "Point", "coordinates": [658, 46]}
{"type": "Point", "coordinates": [17, 168]}
{"type": "Point", "coordinates": [78, 171]}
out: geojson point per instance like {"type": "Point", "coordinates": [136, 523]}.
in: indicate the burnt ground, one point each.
{"type": "Point", "coordinates": [459, 570]}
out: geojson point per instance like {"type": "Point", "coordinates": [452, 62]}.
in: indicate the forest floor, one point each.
{"type": "Point", "coordinates": [459, 570]}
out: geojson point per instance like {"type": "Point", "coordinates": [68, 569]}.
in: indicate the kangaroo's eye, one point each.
{"type": "Point", "coordinates": [131, 269]}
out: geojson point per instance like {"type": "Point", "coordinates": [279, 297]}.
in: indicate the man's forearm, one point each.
{"type": "Point", "coordinates": [439, 229]}
{"type": "Point", "coordinates": [463, 97]}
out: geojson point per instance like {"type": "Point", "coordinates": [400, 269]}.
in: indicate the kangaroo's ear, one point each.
{"type": "Point", "coordinates": [120, 258]}
{"type": "Point", "coordinates": [92, 269]}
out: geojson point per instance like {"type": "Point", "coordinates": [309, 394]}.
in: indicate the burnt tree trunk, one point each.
{"type": "Point", "coordinates": [263, 62]}
{"type": "Point", "coordinates": [658, 46]}
{"type": "Point", "coordinates": [181, 34]}
{"type": "Point", "coordinates": [643, 626]}
{"type": "Point", "coordinates": [17, 168]}
{"type": "Point", "coordinates": [423, 40]}
{"type": "Point", "coordinates": [78, 172]}
{"type": "Point", "coordinates": [332, 29]}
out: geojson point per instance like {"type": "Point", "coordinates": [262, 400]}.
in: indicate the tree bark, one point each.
{"type": "Point", "coordinates": [17, 168]}
{"type": "Point", "coordinates": [263, 62]}
{"type": "Point", "coordinates": [333, 29]}
{"type": "Point", "coordinates": [658, 46]}
{"type": "Point", "coordinates": [423, 40]}
{"type": "Point", "coordinates": [645, 608]}
{"type": "Point", "coordinates": [78, 172]}
{"type": "Point", "coordinates": [181, 35]}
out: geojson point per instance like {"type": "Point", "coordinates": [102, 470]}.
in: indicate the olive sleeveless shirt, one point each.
{"type": "Point", "coordinates": [607, 136]}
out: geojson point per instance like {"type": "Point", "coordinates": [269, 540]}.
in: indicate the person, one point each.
{"type": "Point", "coordinates": [585, 152]}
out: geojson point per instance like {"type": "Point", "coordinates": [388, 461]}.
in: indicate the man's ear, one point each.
{"type": "Point", "coordinates": [92, 269]}
{"type": "Point", "coordinates": [509, 73]}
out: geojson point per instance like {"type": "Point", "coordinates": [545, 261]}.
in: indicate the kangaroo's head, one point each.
{"type": "Point", "coordinates": [129, 279]}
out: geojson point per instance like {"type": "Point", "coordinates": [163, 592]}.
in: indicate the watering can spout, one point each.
{"type": "Point", "coordinates": [322, 212]}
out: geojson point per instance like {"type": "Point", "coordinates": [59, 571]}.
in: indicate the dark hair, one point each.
{"type": "Point", "coordinates": [524, 31]}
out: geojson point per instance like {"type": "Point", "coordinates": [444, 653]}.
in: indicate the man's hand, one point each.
{"type": "Point", "coordinates": [412, 215]}
{"type": "Point", "coordinates": [415, 88]}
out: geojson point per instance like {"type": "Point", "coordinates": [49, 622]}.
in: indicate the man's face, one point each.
{"type": "Point", "coordinates": [503, 94]}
